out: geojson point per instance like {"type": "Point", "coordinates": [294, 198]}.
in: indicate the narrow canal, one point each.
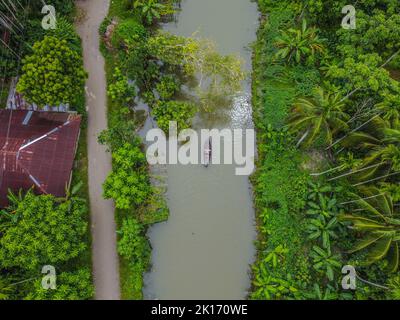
{"type": "Point", "coordinates": [205, 249]}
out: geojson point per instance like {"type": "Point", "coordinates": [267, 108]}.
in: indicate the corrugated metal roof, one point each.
{"type": "Point", "coordinates": [37, 154]}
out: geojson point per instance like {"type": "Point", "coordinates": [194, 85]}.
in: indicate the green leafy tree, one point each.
{"type": "Point", "coordinates": [128, 183]}
{"type": "Point", "coordinates": [322, 115]}
{"type": "Point", "coordinates": [299, 45]}
{"type": "Point", "coordinates": [363, 73]}
{"type": "Point", "coordinates": [167, 87]}
{"type": "Point", "coordinates": [219, 77]}
{"type": "Point", "coordinates": [120, 90]}
{"type": "Point", "coordinates": [180, 111]}
{"type": "Point", "coordinates": [70, 286]}
{"type": "Point", "coordinates": [45, 232]}
{"type": "Point", "coordinates": [53, 74]}
{"type": "Point", "coordinates": [132, 244]}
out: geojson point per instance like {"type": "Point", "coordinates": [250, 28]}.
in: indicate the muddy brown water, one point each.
{"type": "Point", "coordinates": [205, 249]}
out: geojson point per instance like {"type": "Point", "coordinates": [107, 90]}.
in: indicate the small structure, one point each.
{"type": "Point", "coordinates": [37, 149]}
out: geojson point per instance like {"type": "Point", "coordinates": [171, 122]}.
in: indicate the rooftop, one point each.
{"type": "Point", "coordinates": [37, 149]}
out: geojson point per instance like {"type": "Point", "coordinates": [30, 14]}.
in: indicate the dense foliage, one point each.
{"type": "Point", "coordinates": [52, 74]}
{"type": "Point", "coordinates": [327, 175]}
{"type": "Point", "coordinates": [43, 230]}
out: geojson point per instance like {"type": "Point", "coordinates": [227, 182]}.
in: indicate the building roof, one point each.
{"type": "Point", "coordinates": [37, 149]}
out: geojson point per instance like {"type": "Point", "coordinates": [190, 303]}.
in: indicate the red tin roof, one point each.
{"type": "Point", "coordinates": [37, 149]}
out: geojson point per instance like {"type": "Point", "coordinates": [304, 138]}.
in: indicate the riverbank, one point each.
{"type": "Point", "coordinates": [132, 220]}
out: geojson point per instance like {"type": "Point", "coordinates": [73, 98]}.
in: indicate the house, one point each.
{"type": "Point", "coordinates": [37, 150]}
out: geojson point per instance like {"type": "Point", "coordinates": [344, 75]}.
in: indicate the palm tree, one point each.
{"type": "Point", "coordinates": [5, 289]}
{"type": "Point", "coordinates": [321, 114]}
{"type": "Point", "coordinates": [381, 142]}
{"type": "Point", "coordinates": [380, 226]}
{"type": "Point", "coordinates": [295, 45]}
{"type": "Point", "coordinates": [390, 107]}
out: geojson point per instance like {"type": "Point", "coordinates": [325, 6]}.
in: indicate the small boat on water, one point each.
{"type": "Point", "coordinates": [207, 152]}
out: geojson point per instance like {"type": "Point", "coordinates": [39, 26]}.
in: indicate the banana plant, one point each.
{"type": "Point", "coordinates": [325, 262]}
{"type": "Point", "coordinates": [275, 255]}
{"type": "Point", "coordinates": [379, 225]}
{"type": "Point", "coordinates": [326, 207]}
{"type": "Point", "coordinates": [316, 190]}
{"type": "Point", "coordinates": [296, 45]}
{"type": "Point", "coordinates": [152, 9]}
{"type": "Point", "coordinates": [269, 287]}
{"type": "Point", "coordinates": [321, 228]}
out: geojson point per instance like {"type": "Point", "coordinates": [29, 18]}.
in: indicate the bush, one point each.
{"type": "Point", "coordinates": [180, 111]}
{"type": "Point", "coordinates": [44, 232]}
{"type": "Point", "coordinates": [70, 286]}
{"type": "Point", "coordinates": [133, 245]}
{"type": "Point", "coordinates": [128, 183]}
{"type": "Point", "coordinates": [53, 74]}
{"type": "Point", "coordinates": [128, 33]}
{"type": "Point", "coordinates": [167, 87]}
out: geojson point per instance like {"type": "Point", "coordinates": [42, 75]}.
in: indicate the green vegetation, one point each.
{"type": "Point", "coordinates": [58, 79]}
{"type": "Point", "coordinates": [326, 186]}
{"type": "Point", "coordinates": [41, 230]}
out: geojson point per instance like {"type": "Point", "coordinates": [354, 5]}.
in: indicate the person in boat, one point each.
{"type": "Point", "coordinates": [207, 153]}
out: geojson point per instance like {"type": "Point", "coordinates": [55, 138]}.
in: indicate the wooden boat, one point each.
{"type": "Point", "coordinates": [207, 152]}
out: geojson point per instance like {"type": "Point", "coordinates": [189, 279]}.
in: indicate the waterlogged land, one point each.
{"type": "Point", "coordinates": [205, 248]}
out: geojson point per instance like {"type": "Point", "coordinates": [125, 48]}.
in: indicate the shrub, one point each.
{"type": "Point", "coordinates": [180, 111]}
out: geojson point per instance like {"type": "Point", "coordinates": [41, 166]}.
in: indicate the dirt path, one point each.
{"type": "Point", "coordinates": [104, 254]}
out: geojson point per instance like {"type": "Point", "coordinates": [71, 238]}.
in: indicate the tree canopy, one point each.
{"type": "Point", "coordinates": [53, 74]}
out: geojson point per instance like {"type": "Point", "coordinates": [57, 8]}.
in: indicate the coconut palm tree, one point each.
{"type": "Point", "coordinates": [5, 289]}
{"type": "Point", "coordinates": [379, 224]}
{"type": "Point", "coordinates": [296, 45]}
{"type": "Point", "coordinates": [381, 142]}
{"type": "Point", "coordinates": [322, 114]}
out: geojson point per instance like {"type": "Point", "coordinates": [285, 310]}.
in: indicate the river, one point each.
{"type": "Point", "coordinates": [205, 249]}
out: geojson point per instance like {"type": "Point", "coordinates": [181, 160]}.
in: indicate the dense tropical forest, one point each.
{"type": "Point", "coordinates": [326, 105]}
{"type": "Point", "coordinates": [36, 231]}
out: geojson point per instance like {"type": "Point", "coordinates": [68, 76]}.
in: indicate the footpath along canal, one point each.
{"type": "Point", "coordinates": [205, 249]}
